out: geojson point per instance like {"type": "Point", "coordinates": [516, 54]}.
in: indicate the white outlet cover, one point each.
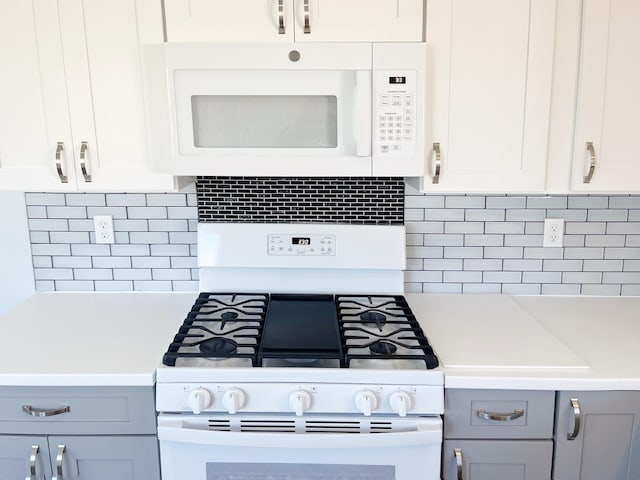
{"type": "Point", "coordinates": [553, 232]}
{"type": "Point", "coordinates": [103, 228]}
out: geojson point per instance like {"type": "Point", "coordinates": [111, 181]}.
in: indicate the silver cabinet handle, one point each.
{"type": "Point", "coordinates": [84, 146]}
{"type": "Point", "coordinates": [33, 459]}
{"type": "Point", "coordinates": [59, 151]}
{"type": "Point", "coordinates": [500, 417]}
{"type": "Point", "coordinates": [307, 26]}
{"type": "Point", "coordinates": [575, 404]}
{"type": "Point", "coordinates": [436, 153]}
{"type": "Point", "coordinates": [458, 453]}
{"type": "Point", "coordinates": [45, 412]}
{"type": "Point", "coordinates": [59, 458]}
{"type": "Point", "coordinates": [281, 29]}
{"type": "Point", "coordinates": [592, 162]}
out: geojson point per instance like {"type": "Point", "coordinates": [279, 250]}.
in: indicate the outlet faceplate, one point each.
{"type": "Point", "coordinates": [553, 232]}
{"type": "Point", "coordinates": [103, 226]}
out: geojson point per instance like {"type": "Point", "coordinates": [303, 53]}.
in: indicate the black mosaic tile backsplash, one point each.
{"type": "Point", "coordinates": [352, 200]}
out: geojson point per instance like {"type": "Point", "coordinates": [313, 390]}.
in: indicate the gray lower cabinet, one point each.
{"type": "Point", "coordinates": [78, 433]}
{"type": "Point", "coordinates": [78, 457]}
{"type": "Point", "coordinates": [597, 436]}
{"type": "Point", "coordinates": [498, 435]}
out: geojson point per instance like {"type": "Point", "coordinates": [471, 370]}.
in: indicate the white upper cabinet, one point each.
{"type": "Point", "coordinates": [73, 113]}
{"type": "Point", "coordinates": [490, 88]}
{"type": "Point", "coordinates": [606, 154]}
{"type": "Point", "coordinates": [294, 20]}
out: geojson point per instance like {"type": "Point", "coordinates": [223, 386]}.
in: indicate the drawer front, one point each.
{"type": "Point", "coordinates": [498, 414]}
{"type": "Point", "coordinates": [77, 410]}
{"type": "Point", "coordinates": [497, 459]}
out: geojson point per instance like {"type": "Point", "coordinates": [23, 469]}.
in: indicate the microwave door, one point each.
{"type": "Point", "coordinates": [272, 122]}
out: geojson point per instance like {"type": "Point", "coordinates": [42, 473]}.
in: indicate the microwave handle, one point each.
{"type": "Point", "coordinates": [363, 113]}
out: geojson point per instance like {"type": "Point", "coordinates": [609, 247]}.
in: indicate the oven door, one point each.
{"type": "Point", "coordinates": [299, 448]}
{"type": "Point", "coordinates": [271, 109]}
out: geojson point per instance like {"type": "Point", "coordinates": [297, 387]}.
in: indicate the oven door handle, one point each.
{"type": "Point", "coordinates": [429, 432]}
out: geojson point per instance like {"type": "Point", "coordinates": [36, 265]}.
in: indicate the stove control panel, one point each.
{"type": "Point", "coordinates": [301, 245]}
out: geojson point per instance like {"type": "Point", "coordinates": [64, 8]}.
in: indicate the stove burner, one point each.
{"type": "Point", "coordinates": [229, 316]}
{"type": "Point", "coordinates": [218, 346]}
{"type": "Point", "coordinates": [375, 318]}
{"type": "Point", "coordinates": [383, 348]}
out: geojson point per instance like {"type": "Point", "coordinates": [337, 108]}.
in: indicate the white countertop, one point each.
{"type": "Point", "coordinates": [533, 342]}
{"type": "Point", "coordinates": [89, 339]}
{"type": "Point", "coordinates": [482, 341]}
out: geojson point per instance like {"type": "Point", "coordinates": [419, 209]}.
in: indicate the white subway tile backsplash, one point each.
{"type": "Point", "coordinates": [455, 243]}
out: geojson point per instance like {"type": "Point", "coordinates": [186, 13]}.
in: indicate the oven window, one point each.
{"type": "Point", "coordinates": [265, 121]}
{"type": "Point", "coordinates": [301, 471]}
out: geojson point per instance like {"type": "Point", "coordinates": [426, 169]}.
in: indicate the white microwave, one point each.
{"type": "Point", "coordinates": [355, 109]}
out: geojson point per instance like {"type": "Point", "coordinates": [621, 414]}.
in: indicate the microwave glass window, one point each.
{"type": "Point", "coordinates": [265, 121]}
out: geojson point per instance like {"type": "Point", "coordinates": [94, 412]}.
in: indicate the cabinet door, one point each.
{"type": "Point", "coordinates": [18, 453]}
{"type": "Point", "coordinates": [103, 68]}
{"type": "Point", "coordinates": [358, 20]}
{"type": "Point", "coordinates": [497, 459]}
{"type": "Point", "coordinates": [34, 116]}
{"type": "Point", "coordinates": [491, 91]}
{"type": "Point", "coordinates": [608, 110]}
{"type": "Point", "coordinates": [105, 458]}
{"type": "Point", "coordinates": [225, 21]}
{"type": "Point", "coordinates": [607, 444]}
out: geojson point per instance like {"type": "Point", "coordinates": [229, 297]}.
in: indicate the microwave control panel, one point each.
{"type": "Point", "coordinates": [301, 245]}
{"type": "Point", "coordinates": [394, 112]}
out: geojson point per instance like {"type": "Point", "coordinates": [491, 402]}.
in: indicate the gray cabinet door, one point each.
{"type": "Point", "coordinates": [15, 454]}
{"type": "Point", "coordinates": [497, 459]}
{"type": "Point", "coordinates": [106, 458]}
{"type": "Point", "coordinates": [607, 443]}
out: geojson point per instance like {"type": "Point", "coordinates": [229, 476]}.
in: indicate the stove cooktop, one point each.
{"type": "Point", "coordinates": [307, 330]}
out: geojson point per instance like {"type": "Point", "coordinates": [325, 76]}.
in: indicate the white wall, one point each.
{"type": "Point", "coordinates": [16, 269]}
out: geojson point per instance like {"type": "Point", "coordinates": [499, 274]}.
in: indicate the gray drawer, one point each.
{"type": "Point", "coordinates": [104, 410]}
{"type": "Point", "coordinates": [498, 414]}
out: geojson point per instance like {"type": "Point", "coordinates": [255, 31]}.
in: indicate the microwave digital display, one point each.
{"type": "Point", "coordinates": [301, 241]}
{"type": "Point", "coordinates": [397, 80]}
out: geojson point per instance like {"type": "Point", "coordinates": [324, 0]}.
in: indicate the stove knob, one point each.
{"type": "Point", "coordinates": [300, 401]}
{"type": "Point", "coordinates": [400, 402]}
{"type": "Point", "coordinates": [199, 399]}
{"type": "Point", "coordinates": [366, 402]}
{"type": "Point", "coordinates": [233, 400]}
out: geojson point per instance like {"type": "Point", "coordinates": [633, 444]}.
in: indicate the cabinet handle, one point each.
{"type": "Point", "coordinates": [84, 146]}
{"type": "Point", "coordinates": [500, 417]}
{"type": "Point", "coordinates": [59, 458]}
{"type": "Point", "coordinates": [575, 404]}
{"type": "Point", "coordinates": [592, 162]}
{"type": "Point", "coordinates": [458, 453]}
{"type": "Point", "coordinates": [307, 26]}
{"type": "Point", "coordinates": [45, 412]}
{"type": "Point", "coordinates": [281, 29]}
{"type": "Point", "coordinates": [436, 153]}
{"type": "Point", "coordinates": [59, 151]}
{"type": "Point", "coordinates": [33, 459]}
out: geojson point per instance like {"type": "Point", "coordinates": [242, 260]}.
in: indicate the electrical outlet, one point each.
{"type": "Point", "coordinates": [103, 226]}
{"type": "Point", "coordinates": [553, 232]}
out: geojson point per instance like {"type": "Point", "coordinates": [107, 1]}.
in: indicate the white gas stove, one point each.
{"type": "Point", "coordinates": [300, 335]}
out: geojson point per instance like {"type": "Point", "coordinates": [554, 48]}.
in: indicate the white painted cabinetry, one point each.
{"type": "Point", "coordinates": [73, 102]}
{"type": "Point", "coordinates": [294, 20]}
{"type": "Point", "coordinates": [491, 71]}
{"type": "Point", "coordinates": [608, 105]}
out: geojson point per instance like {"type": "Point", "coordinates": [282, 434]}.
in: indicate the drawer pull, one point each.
{"type": "Point", "coordinates": [436, 152]}
{"type": "Point", "coordinates": [45, 412]}
{"type": "Point", "coordinates": [458, 453]}
{"type": "Point", "coordinates": [33, 459]}
{"type": "Point", "coordinates": [592, 162]}
{"type": "Point", "coordinates": [59, 458]}
{"type": "Point", "coordinates": [575, 405]}
{"type": "Point", "coordinates": [500, 417]}
{"type": "Point", "coordinates": [281, 29]}
{"type": "Point", "coordinates": [59, 152]}
{"type": "Point", "coordinates": [307, 26]}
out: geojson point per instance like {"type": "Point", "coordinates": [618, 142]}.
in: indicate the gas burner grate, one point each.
{"type": "Point", "coordinates": [368, 336]}
{"type": "Point", "coordinates": [220, 326]}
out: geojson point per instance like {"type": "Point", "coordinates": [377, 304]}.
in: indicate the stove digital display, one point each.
{"type": "Point", "coordinates": [301, 240]}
